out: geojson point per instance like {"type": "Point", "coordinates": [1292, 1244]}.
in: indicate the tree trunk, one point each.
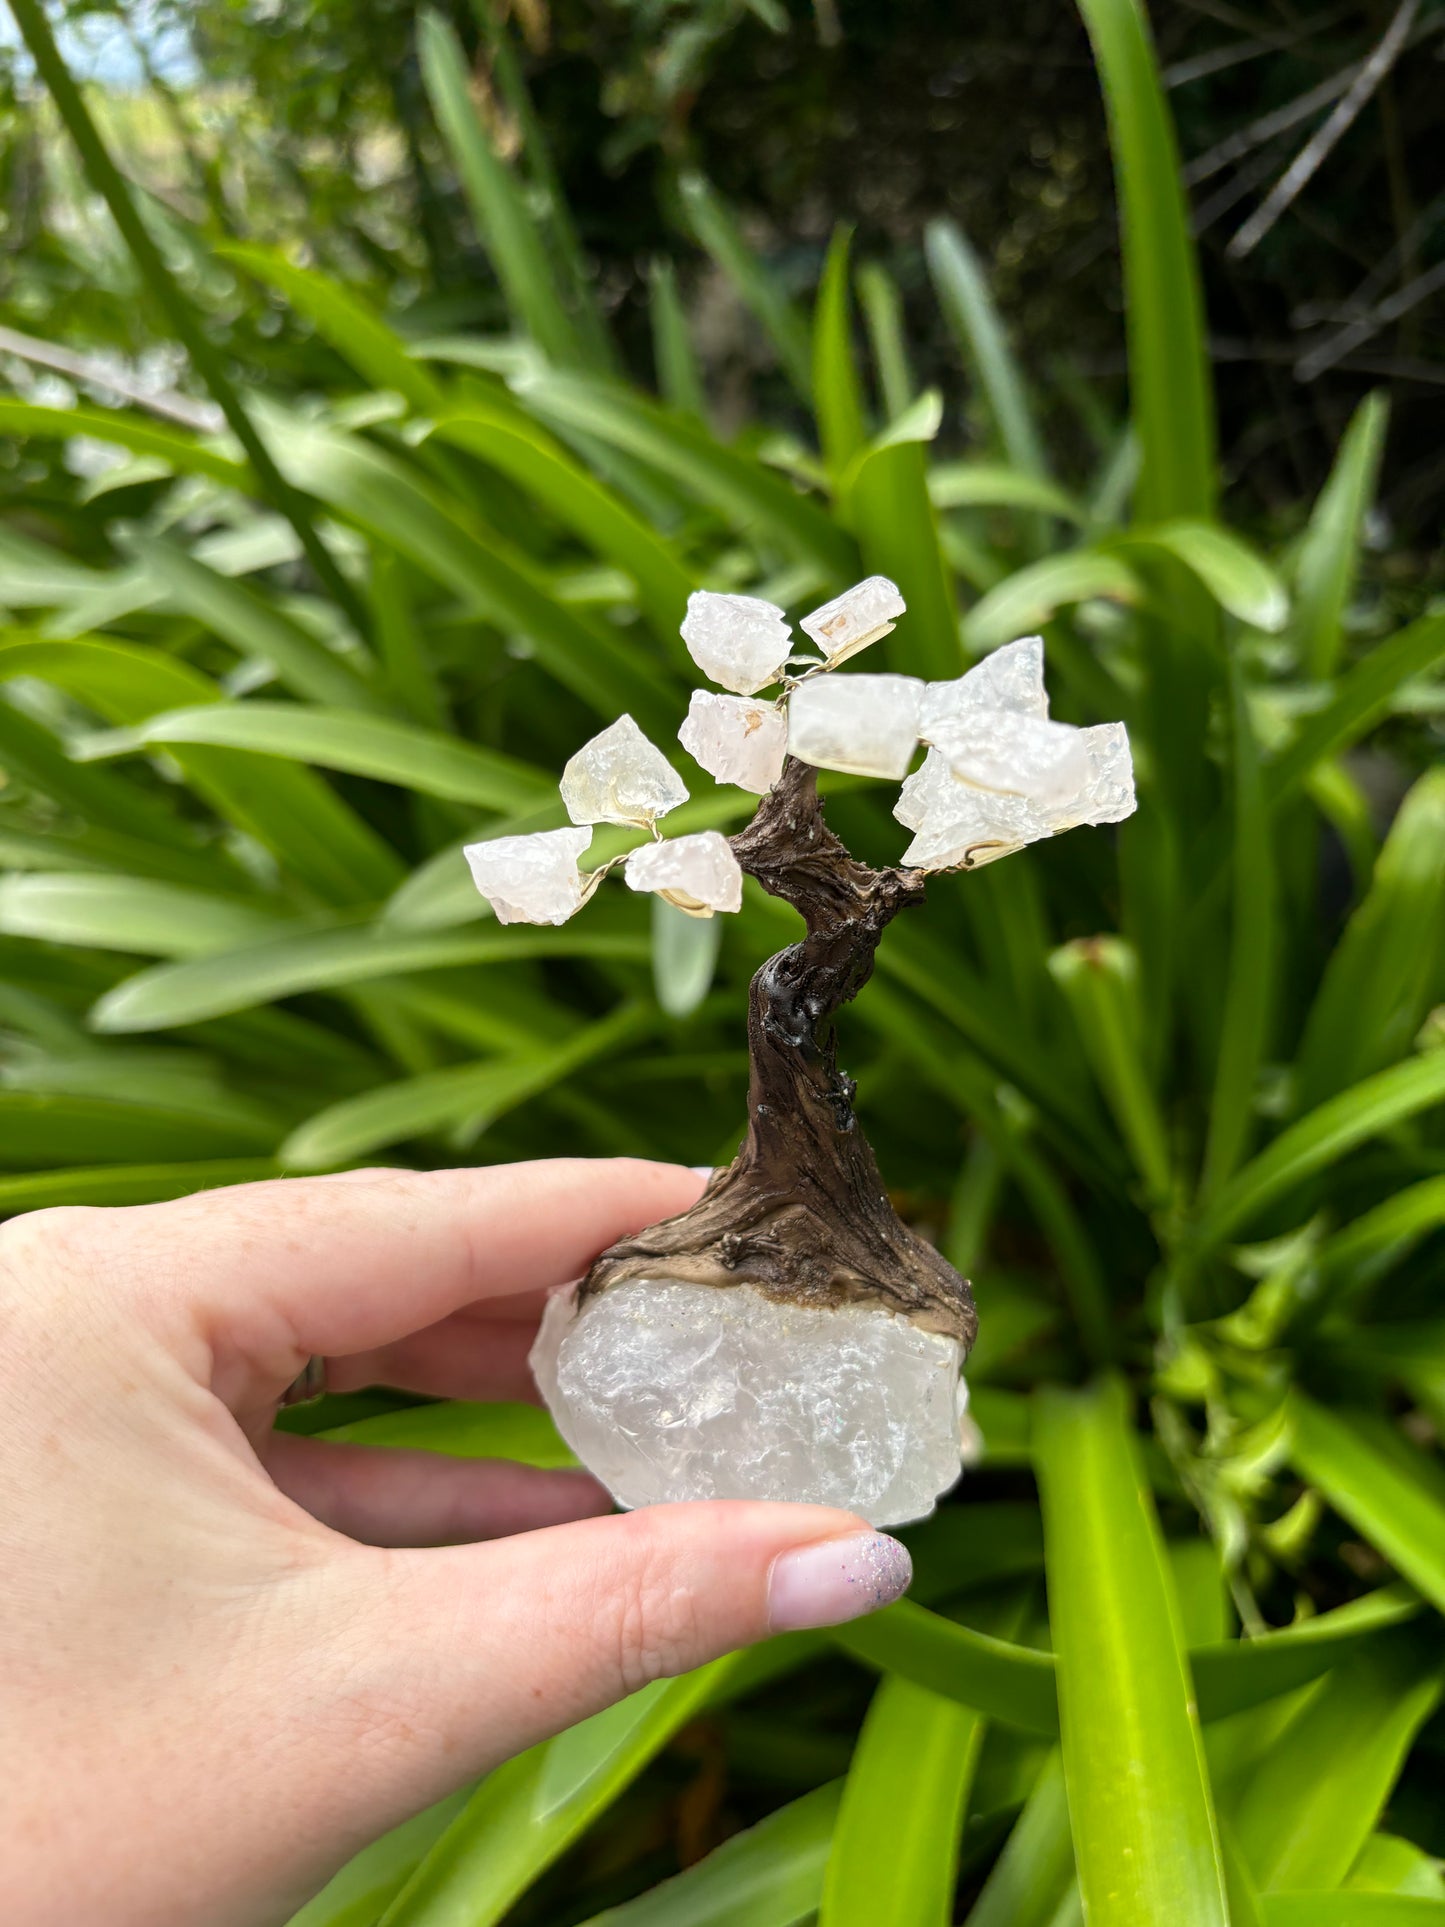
{"type": "Point", "coordinates": [802, 1213]}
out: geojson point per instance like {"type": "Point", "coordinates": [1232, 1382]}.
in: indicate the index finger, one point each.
{"type": "Point", "coordinates": [294, 1266]}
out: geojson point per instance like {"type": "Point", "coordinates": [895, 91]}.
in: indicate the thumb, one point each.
{"type": "Point", "coordinates": [481, 1651]}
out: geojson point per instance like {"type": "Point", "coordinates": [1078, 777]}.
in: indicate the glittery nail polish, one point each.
{"type": "Point", "coordinates": [836, 1579]}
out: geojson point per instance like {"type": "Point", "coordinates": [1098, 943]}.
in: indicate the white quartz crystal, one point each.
{"type": "Point", "coordinates": [866, 724]}
{"type": "Point", "coordinates": [964, 823]}
{"type": "Point", "coordinates": [620, 777]}
{"type": "Point", "coordinates": [736, 739]}
{"type": "Point", "coordinates": [999, 749]}
{"type": "Point", "coordinates": [670, 1391]}
{"type": "Point", "coordinates": [531, 879]}
{"type": "Point", "coordinates": [698, 873]}
{"type": "Point", "coordinates": [1011, 678]}
{"type": "Point", "coordinates": [739, 641]}
{"type": "Point", "coordinates": [854, 619]}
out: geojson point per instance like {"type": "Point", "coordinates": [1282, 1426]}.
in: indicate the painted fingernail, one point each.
{"type": "Point", "coordinates": [836, 1579]}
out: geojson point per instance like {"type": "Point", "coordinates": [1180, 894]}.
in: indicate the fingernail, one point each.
{"type": "Point", "coordinates": [836, 1579]}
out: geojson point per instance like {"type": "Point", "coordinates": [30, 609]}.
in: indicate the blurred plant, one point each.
{"type": "Point", "coordinates": [1174, 1101]}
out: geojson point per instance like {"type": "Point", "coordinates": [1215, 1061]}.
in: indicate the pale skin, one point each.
{"type": "Point", "coordinates": [230, 1657]}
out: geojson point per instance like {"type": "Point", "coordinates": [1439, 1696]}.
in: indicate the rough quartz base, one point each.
{"type": "Point", "coordinates": [671, 1391]}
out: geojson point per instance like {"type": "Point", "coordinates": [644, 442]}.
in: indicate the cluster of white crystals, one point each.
{"type": "Point", "coordinates": [999, 774]}
{"type": "Point", "coordinates": [670, 1391]}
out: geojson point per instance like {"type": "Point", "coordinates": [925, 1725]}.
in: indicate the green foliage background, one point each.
{"type": "Point", "coordinates": [1174, 1099]}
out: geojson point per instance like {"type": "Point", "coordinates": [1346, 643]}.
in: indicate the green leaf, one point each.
{"type": "Point", "coordinates": [112, 1184]}
{"type": "Point", "coordinates": [186, 454]}
{"type": "Point", "coordinates": [678, 380]}
{"type": "Point", "coordinates": [1254, 943]}
{"type": "Point", "coordinates": [684, 957]}
{"type": "Point", "coordinates": [472, 1094]}
{"type": "Point", "coordinates": [1100, 978]}
{"type": "Point", "coordinates": [462, 1430]}
{"type": "Point", "coordinates": [527, 455]}
{"type": "Point", "coordinates": [505, 224]}
{"type": "Point", "coordinates": [1351, 1910]}
{"type": "Point", "coordinates": [245, 619]}
{"type": "Point", "coordinates": [1365, 1248]}
{"type": "Point", "coordinates": [292, 812]}
{"type": "Point", "coordinates": [1307, 1809]}
{"type": "Point", "coordinates": [1170, 398]}
{"type": "Point", "coordinates": [1361, 699]}
{"type": "Point", "coordinates": [1240, 581]}
{"type": "Point", "coordinates": [214, 986]}
{"type": "Point", "coordinates": [498, 1845]}
{"type": "Point", "coordinates": [987, 485]}
{"type": "Point", "coordinates": [1011, 1683]}
{"type": "Point", "coordinates": [1320, 1139]}
{"type": "Point", "coordinates": [885, 499]}
{"type": "Point", "coordinates": [760, 505]}
{"type": "Point", "coordinates": [1382, 975]}
{"type": "Point", "coordinates": [1035, 594]}
{"type": "Point", "coordinates": [769, 1875]}
{"type": "Point", "coordinates": [39, 1129]}
{"type": "Point", "coordinates": [1392, 1494]}
{"type": "Point", "coordinates": [123, 913]}
{"type": "Point", "coordinates": [1035, 1871]}
{"type": "Point", "coordinates": [31, 755]}
{"type": "Point", "coordinates": [1329, 554]}
{"type": "Point", "coordinates": [341, 317]}
{"type": "Point", "coordinates": [399, 508]}
{"type": "Point", "coordinates": [426, 761]}
{"type": "Point", "coordinates": [357, 1895]}
{"type": "Point", "coordinates": [1232, 1675]}
{"type": "Point", "coordinates": [837, 398]}
{"type": "Point", "coordinates": [712, 222]}
{"type": "Point", "coordinates": [882, 307]}
{"type": "Point", "coordinates": [1139, 1799]}
{"type": "Point", "coordinates": [1389, 1865]}
{"type": "Point", "coordinates": [895, 1846]}
{"type": "Point", "coordinates": [968, 307]}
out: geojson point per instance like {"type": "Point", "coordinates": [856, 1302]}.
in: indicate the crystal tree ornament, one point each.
{"type": "Point", "coordinates": [790, 1337]}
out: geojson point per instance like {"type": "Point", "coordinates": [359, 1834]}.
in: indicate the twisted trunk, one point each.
{"type": "Point", "coordinates": [802, 1213]}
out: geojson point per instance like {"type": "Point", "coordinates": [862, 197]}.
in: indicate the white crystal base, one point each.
{"type": "Point", "coordinates": [670, 1391]}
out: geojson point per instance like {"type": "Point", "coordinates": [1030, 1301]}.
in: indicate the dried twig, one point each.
{"type": "Point", "coordinates": [97, 372]}
{"type": "Point", "coordinates": [1330, 352]}
{"type": "Point", "coordinates": [1322, 143]}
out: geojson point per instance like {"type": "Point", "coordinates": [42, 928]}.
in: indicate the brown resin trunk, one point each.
{"type": "Point", "coordinates": [801, 1212]}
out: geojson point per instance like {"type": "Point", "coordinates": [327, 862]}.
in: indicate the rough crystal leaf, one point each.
{"type": "Point", "coordinates": [670, 1391]}
{"type": "Point", "coordinates": [999, 749]}
{"type": "Point", "coordinates": [620, 777]}
{"type": "Point", "coordinates": [964, 824]}
{"type": "Point", "coordinates": [739, 641]}
{"type": "Point", "coordinates": [736, 739]}
{"type": "Point", "coordinates": [1011, 678]}
{"type": "Point", "coordinates": [865, 724]}
{"type": "Point", "coordinates": [698, 873]}
{"type": "Point", "coordinates": [854, 619]}
{"type": "Point", "coordinates": [531, 879]}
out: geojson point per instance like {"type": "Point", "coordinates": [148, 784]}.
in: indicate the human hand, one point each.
{"type": "Point", "coordinates": [225, 1661]}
